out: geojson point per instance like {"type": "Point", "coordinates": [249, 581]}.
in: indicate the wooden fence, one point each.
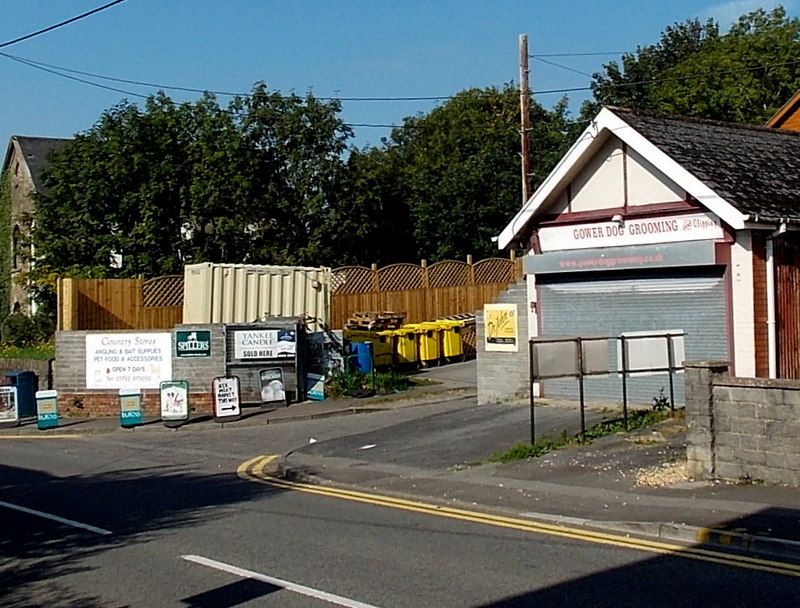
{"type": "Point", "coordinates": [422, 292]}
{"type": "Point", "coordinates": [120, 303]}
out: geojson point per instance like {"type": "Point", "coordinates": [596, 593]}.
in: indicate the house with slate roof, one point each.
{"type": "Point", "coordinates": [665, 224]}
{"type": "Point", "coordinates": [25, 161]}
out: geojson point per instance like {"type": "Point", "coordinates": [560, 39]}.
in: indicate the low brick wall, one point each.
{"type": "Point", "coordinates": [741, 428]}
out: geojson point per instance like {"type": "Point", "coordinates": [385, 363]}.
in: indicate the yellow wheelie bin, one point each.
{"type": "Point", "coordinates": [429, 335]}
{"type": "Point", "coordinates": [406, 348]}
{"type": "Point", "coordinates": [452, 346]}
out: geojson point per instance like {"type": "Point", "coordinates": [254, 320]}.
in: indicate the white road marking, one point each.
{"type": "Point", "coordinates": [62, 520]}
{"type": "Point", "coordinates": [369, 446]}
{"type": "Point", "coordinates": [301, 589]}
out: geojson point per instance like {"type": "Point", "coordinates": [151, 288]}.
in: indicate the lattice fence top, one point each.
{"type": "Point", "coordinates": [449, 273]}
{"type": "Point", "coordinates": [163, 291]}
{"type": "Point", "coordinates": [352, 279]}
{"type": "Point", "coordinates": [495, 270]}
{"type": "Point", "coordinates": [399, 277]}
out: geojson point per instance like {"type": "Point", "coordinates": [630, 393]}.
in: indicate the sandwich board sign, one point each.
{"type": "Point", "coordinates": [46, 409]}
{"type": "Point", "coordinates": [227, 406]}
{"type": "Point", "coordinates": [9, 408]}
{"type": "Point", "coordinates": [174, 402]}
{"type": "Point", "coordinates": [130, 407]}
{"type": "Point", "coordinates": [273, 391]}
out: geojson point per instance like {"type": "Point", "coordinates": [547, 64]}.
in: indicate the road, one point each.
{"type": "Point", "coordinates": [165, 519]}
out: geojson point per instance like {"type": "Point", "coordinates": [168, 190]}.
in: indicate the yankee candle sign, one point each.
{"type": "Point", "coordinates": [264, 344]}
{"type": "Point", "coordinates": [128, 360]}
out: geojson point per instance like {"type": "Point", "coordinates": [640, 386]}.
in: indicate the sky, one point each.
{"type": "Point", "coordinates": [332, 48]}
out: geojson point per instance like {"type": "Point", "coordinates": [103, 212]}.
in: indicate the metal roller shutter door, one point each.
{"type": "Point", "coordinates": [693, 302]}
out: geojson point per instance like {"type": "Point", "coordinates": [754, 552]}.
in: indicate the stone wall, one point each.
{"type": "Point", "coordinates": [501, 375]}
{"type": "Point", "coordinates": [741, 429]}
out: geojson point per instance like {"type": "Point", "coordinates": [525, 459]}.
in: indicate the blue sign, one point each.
{"type": "Point", "coordinates": [130, 407]}
{"type": "Point", "coordinates": [46, 409]}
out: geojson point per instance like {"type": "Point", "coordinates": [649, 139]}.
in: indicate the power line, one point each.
{"type": "Point", "coordinates": [579, 54]}
{"type": "Point", "coordinates": [62, 24]}
{"type": "Point", "coordinates": [563, 67]}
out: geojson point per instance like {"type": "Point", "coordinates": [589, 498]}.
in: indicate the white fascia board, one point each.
{"type": "Point", "coordinates": [608, 122]}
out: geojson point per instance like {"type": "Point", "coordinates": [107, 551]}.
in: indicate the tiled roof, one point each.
{"type": "Point", "coordinates": [36, 151]}
{"type": "Point", "coordinates": [757, 170]}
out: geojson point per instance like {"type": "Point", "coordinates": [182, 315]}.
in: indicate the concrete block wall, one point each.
{"type": "Point", "coordinates": [74, 399]}
{"type": "Point", "coordinates": [503, 376]}
{"type": "Point", "coordinates": [742, 428]}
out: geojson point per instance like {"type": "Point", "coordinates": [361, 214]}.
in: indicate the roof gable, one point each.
{"type": "Point", "coordinates": [788, 117]}
{"type": "Point", "coordinates": [736, 172]}
{"type": "Point", "coordinates": [35, 153]}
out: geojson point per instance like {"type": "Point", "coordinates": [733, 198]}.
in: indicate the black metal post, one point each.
{"type": "Point", "coordinates": [531, 382]}
{"type": "Point", "coordinates": [670, 364]}
{"type": "Point", "coordinates": [580, 388]}
{"type": "Point", "coordinates": [624, 365]}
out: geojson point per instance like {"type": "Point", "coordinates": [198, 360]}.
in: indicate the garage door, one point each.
{"type": "Point", "coordinates": [693, 303]}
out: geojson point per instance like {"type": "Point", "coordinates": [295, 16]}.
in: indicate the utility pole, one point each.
{"type": "Point", "coordinates": [524, 110]}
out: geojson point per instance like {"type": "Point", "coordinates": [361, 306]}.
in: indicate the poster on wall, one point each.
{"type": "Point", "coordinates": [500, 325]}
{"type": "Point", "coordinates": [125, 360]}
{"type": "Point", "coordinates": [264, 343]}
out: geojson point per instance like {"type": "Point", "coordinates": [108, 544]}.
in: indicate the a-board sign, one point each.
{"type": "Point", "coordinates": [315, 387]}
{"type": "Point", "coordinates": [174, 402]}
{"type": "Point", "coordinates": [130, 407]}
{"type": "Point", "coordinates": [273, 391]}
{"type": "Point", "coordinates": [46, 409]}
{"type": "Point", "coordinates": [9, 409]}
{"type": "Point", "coordinates": [193, 343]}
{"type": "Point", "coordinates": [227, 404]}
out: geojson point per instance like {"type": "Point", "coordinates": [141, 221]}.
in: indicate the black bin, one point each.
{"type": "Point", "coordinates": [27, 384]}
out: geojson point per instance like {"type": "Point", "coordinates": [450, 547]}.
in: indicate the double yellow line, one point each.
{"type": "Point", "coordinates": [255, 470]}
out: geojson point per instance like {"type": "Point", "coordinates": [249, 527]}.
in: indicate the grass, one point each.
{"type": "Point", "coordinates": [637, 419]}
{"type": "Point", "coordinates": [41, 352]}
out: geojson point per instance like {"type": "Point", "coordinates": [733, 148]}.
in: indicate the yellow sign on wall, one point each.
{"type": "Point", "coordinates": [500, 324]}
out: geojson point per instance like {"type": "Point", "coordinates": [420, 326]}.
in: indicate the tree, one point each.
{"type": "Point", "coordinates": [180, 183]}
{"type": "Point", "coordinates": [743, 76]}
{"type": "Point", "coordinates": [455, 172]}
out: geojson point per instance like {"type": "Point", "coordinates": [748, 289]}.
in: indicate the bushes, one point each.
{"type": "Point", "coordinates": [20, 330]}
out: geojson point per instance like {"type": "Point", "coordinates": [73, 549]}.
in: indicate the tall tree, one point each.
{"type": "Point", "coordinates": [171, 184]}
{"type": "Point", "coordinates": [743, 76]}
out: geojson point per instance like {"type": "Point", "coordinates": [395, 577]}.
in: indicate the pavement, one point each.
{"type": "Point", "coordinates": [630, 484]}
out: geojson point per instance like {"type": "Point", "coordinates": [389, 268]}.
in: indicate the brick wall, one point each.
{"type": "Point", "coordinates": [503, 376]}
{"type": "Point", "coordinates": [741, 428]}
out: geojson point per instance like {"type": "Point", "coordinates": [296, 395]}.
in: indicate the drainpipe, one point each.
{"type": "Point", "coordinates": [772, 346]}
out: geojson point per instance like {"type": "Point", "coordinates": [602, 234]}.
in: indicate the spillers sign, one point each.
{"type": "Point", "coordinates": [193, 343]}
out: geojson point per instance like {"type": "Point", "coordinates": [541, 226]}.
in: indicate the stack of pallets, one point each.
{"type": "Point", "coordinates": [375, 321]}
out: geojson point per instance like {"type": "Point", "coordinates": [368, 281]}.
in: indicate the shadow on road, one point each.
{"type": "Point", "coordinates": [35, 553]}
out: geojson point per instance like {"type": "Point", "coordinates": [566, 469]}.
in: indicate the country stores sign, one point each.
{"type": "Point", "coordinates": [640, 231]}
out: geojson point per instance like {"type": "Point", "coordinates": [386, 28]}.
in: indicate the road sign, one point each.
{"type": "Point", "coordinates": [174, 402]}
{"type": "Point", "coordinates": [130, 407]}
{"type": "Point", "coordinates": [9, 408]}
{"type": "Point", "coordinates": [46, 409]}
{"type": "Point", "coordinates": [226, 398]}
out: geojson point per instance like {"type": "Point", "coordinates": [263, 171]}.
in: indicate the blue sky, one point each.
{"type": "Point", "coordinates": [342, 48]}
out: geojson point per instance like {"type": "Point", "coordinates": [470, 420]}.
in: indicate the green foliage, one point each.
{"type": "Point", "coordinates": [42, 351]}
{"type": "Point", "coordinates": [637, 419]}
{"type": "Point", "coordinates": [18, 330]}
{"type": "Point", "coordinates": [661, 402]}
{"type": "Point", "coordinates": [172, 184]}
{"type": "Point", "coordinates": [743, 76]}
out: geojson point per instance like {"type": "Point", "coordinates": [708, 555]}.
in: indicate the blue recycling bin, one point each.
{"type": "Point", "coordinates": [361, 357]}
{"type": "Point", "coordinates": [27, 384]}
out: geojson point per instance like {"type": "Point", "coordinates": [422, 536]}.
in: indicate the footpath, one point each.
{"type": "Point", "coordinates": [632, 484]}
